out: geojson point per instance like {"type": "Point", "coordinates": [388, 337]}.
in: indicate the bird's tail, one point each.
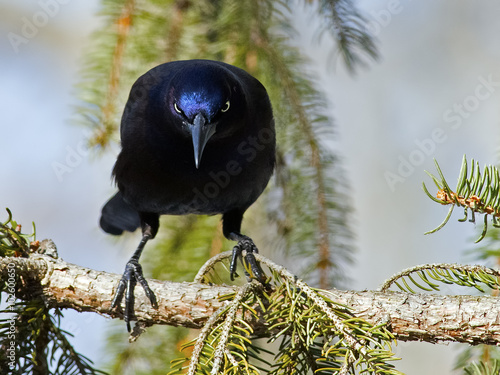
{"type": "Point", "coordinates": [117, 216]}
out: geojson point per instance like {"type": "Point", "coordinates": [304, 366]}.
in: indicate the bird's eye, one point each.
{"type": "Point", "coordinates": [226, 107]}
{"type": "Point", "coordinates": [177, 108]}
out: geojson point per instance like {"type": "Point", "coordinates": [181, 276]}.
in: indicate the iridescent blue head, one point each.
{"type": "Point", "coordinates": [201, 96]}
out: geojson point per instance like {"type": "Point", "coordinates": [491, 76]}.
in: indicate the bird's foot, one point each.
{"type": "Point", "coordinates": [246, 248]}
{"type": "Point", "coordinates": [132, 275]}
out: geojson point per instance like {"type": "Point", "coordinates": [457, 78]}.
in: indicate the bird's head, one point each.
{"type": "Point", "coordinates": [204, 99]}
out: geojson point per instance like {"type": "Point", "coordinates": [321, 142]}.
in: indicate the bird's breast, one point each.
{"type": "Point", "coordinates": [225, 180]}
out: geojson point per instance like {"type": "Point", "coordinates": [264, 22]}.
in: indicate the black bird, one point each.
{"type": "Point", "coordinates": [197, 137]}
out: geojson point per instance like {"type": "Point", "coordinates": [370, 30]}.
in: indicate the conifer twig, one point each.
{"type": "Point", "coordinates": [476, 192]}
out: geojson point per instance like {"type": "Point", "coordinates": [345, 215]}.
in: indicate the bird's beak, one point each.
{"type": "Point", "coordinates": [201, 133]}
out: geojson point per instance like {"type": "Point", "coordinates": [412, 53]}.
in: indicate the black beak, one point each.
{"type": "Point", "coordinates": [200, 133]}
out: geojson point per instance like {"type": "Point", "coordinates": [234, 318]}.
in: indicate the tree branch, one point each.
{"type": "Point", "coordinates": [410, 317]}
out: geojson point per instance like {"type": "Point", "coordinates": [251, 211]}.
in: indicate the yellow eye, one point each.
{"type": "Point", "coordinates": [226, 107]}
{"type": "Point", "coordinates": [177, 108]}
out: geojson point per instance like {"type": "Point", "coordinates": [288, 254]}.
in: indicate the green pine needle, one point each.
{"type": "Point", "coordinates": [476, 277]}
{"type": "Point", "coordinates": [477, 193]}
{"type": "Point", "coordinates": [314, 334]}
{"type": "Point", "coordinates": [40, 345]}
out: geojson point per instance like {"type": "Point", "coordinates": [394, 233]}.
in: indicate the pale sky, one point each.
{"type": "Point", "coordinates": [433, 94]}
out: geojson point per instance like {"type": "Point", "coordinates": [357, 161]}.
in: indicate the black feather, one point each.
{"type": "Point", "coordinates": [118, 216]}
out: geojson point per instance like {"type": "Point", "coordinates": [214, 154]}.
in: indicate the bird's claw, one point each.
{"type": "Point", "coordinates": [126, 286]}
{"type": "Point", "coordinates": [246, 244]}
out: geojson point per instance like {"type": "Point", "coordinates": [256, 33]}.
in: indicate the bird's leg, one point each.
{"type": "Point", "coordinates": [132, 275]}
{"type": "Point", "coordinates": [245, 244]}
{"type": "Point", "coordinates": [231, 224]}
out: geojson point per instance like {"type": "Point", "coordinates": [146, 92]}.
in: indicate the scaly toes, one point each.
{"type": "Point", "coordinates": [246, 244]}
{"type": "Point", "coordinates": [126, 286]}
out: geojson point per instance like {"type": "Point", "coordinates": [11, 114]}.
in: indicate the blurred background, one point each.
{"type": "Point", "coordinates": [434, 93]}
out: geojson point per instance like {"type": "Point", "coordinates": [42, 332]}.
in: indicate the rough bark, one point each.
{"type": "Point", "coordinates": [411, 317]}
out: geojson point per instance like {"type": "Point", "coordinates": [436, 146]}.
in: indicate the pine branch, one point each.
{"type": "Point", "coordinates": [348, 28]}
{"type": "Point", "coordinates": [123, 24]}
{"type": "Point", "coordinates": [477, 192]}
{"type": "Point", "coordinates": [483, 369]}
{"type": "Point", "coordinates": [432, 274]}
{"type": "Point", "coordinates": [176, 28]}
{"type": "Point", "coordinates": [418, 317]}
{"type": "Point", "coordinates": [296, 102]}
{"type": "Point", "coordinates": [30, 335]}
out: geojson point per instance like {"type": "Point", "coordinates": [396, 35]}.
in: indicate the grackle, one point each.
{"type": "Point", "coordinates": [197, 137]}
